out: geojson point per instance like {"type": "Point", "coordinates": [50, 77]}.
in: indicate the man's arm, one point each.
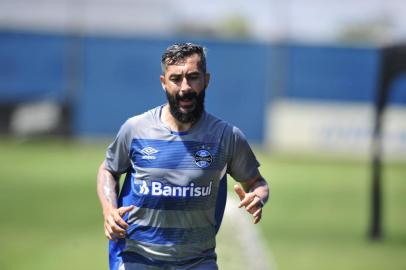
{"type": "Point", "coordinates": [253, 194]}
{"type": "Point", "coordinates": [107, 190]}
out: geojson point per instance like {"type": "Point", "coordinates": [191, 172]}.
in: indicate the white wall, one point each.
{"type": "Point", "coordinates": [346, 128]}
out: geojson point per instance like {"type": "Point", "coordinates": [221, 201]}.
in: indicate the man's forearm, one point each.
{"type": "Point", "coordinates": [107, 188]}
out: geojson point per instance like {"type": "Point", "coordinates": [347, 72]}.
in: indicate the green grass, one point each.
{"type": "Point", "coordinates": [50, 216]}
{"type": "Point", "coordinates": [317, 217]}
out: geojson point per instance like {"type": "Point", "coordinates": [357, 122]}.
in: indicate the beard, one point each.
{"type": "Point", "coordinates": [192, 115]}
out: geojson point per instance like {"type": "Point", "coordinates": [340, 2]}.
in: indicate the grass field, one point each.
{"type": "Point", "coordinates": [317, 217]}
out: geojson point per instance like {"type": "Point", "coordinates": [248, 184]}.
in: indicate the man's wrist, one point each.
{"type": "Point", "coordinates": [261, 201]}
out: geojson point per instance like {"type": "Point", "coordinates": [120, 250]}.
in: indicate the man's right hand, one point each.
{"type": "Point", "coordinates": [114, 226]}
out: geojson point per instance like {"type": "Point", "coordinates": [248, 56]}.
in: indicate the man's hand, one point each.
{"type": "Point", "coordinates": [114, 226]}
{"type": "Point", "coordinates": [251, 202]}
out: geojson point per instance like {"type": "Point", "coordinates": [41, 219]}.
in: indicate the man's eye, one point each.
{"type": "Point", "coordinates": [175, 79]}
{"type": "Point", "coordinates": [193, 77]}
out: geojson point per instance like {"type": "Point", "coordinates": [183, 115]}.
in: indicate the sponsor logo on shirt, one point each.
{"type": "Point", "coordinates": [148, 152]}
{"type": "Point", "coordinates": [144, 188]}
{"type": "Point", "coordinates": [157, 188]}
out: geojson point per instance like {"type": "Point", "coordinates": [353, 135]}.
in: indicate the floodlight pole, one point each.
{"type": "Point", "coordinates": [393, 63]}
{"type": "Point", "coordinates": [375, 232]}
{"type": "Point", "coordinates": [376, 195]}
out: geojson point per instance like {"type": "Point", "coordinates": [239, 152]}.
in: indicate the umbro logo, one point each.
{"type": "Point", "coordinates": [148, 152]}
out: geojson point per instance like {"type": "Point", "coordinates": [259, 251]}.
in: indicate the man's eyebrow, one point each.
{"type": "Point", "coordinates": [192, 73]}
{"type": "Point", "coordinates": [196, 72]}
{"type": "Point", "coordinates": [175, 75]}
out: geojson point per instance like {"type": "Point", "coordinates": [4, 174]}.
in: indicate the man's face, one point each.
{"type": "Point", "coordinates": [185, 84]}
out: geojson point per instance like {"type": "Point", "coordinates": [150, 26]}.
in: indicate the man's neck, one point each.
{"type": "Point", "coordinates": [172, 122]}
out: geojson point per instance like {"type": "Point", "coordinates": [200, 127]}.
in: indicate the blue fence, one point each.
{"type": "Point", "coordinates": [116, 78]}
{"type": "Point", "coordinates": [121, 78]}
{"type": "Point", "coordinates": [31, 66]}
{"type": "Point", "coordinates": [338, 74]}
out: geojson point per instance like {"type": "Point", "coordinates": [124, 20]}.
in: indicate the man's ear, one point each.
{"type": "Point", "coordinates": [206, 80]}
{"type": "Point", "coordinates": [162, 79]}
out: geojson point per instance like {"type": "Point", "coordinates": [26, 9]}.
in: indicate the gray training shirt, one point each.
{"type": "Point", "coordinates": [177, 182]}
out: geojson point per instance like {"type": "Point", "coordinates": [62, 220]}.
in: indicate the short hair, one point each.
{"type": "Point", "coordinates": [179, 51]}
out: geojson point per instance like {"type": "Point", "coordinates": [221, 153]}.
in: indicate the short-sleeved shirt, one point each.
{"type": "Point", "coordinates": [177, 183]}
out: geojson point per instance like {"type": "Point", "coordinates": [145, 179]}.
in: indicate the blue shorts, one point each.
{"type": "Point", "coordinates": [205, 264]}
{"type": "Point", "coordinates": [120, 260]}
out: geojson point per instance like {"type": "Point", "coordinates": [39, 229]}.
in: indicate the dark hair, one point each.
{"type": "Point", "coordinates": [179, 51]}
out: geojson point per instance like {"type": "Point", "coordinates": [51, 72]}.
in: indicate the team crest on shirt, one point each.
{"type": "Point", "coordinates": [203, 158]}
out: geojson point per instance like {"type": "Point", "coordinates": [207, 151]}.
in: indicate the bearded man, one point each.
{"type": "Point", "coordinates": [176, 158]}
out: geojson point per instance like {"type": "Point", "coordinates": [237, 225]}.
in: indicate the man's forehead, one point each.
{"type": "Point", "coordinates": [192, 61]}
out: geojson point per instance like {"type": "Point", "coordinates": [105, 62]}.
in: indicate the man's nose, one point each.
{"type": "Point", "coordinates": [185, 86]}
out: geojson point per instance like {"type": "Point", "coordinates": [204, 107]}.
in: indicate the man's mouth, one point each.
{"type": "Point", "coordinates": [186, 102]}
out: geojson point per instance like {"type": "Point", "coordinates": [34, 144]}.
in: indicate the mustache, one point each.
{"type": "Point", "coordinates": [186, 96]}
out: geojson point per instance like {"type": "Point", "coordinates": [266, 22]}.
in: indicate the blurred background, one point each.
{"type": "Point", "coordinates": [319, 87]}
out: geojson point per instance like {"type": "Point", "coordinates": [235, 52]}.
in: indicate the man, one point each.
{"type": "Point", "coordinates": [176, 157]}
